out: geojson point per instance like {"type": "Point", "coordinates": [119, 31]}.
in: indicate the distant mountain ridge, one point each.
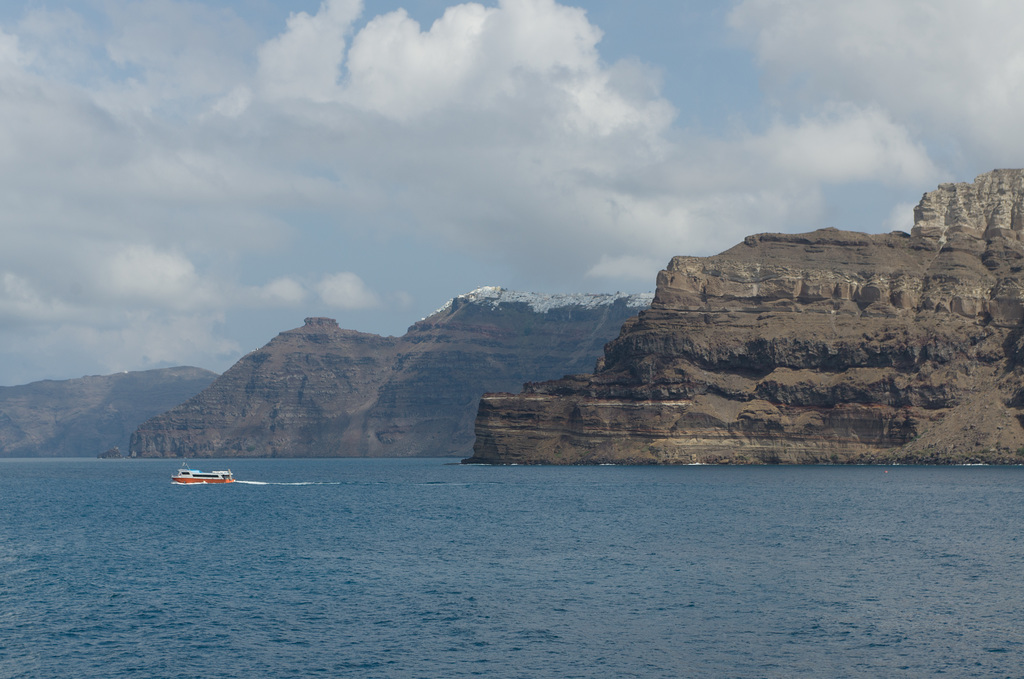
{"type": "Point", "coordinates": [89, 415]}
{"type": "Point", "coordinates": [322, 391]}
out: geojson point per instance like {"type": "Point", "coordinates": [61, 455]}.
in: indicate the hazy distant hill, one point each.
{"type": "Point", "coordinates": [321, 391]}
{"type": "Point", "coordinates": [89, 415]}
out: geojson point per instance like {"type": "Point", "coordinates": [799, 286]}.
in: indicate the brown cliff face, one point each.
{"type": "Point", "coordinates": [321, 391]}
{"type": "Point", "coordinates": [823, 347]}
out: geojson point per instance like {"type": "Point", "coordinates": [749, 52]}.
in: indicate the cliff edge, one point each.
{"type": "Point", "coordinates": [323, 391]}
{"type": "Point", "coordinates": [825, 347]}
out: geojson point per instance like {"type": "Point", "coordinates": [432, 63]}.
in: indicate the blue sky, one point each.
{"type": "Point", "coordinates": [180, 181]}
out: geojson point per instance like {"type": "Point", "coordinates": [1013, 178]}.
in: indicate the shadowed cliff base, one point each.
{"type": "Point", "coordinates": [825, 347]}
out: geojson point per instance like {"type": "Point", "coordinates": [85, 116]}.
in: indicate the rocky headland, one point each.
{"type": "Point", "coordinates": [824, 347]}
{"type": "Point", "coordinates": [323, 391]}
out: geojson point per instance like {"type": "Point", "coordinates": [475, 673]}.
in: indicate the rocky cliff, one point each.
{"type": "Point", "coordinates": [829, 346]}
{"type": "Point", "coordinates": [89, 415]}
{"type": "Point", "coordinates": [320, 390]}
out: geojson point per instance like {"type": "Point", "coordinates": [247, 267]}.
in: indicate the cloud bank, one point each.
{"type": "Point", "coordinates": [171, 166]}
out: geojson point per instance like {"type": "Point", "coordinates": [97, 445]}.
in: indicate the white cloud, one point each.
{"type": "Point", "coordinates": [942, 67]}
{"type": "Point", "coordinates": [305, 60]}
{"type": "Point", "coordinates": [21, 302]}
{"type": "Point", "coordinates": [346, 291]}
{"type": "Point", "coordinates": [400, 72]}
{"type": "Point", "coordinates": [901, 217]}
{"type": "Point", "coordinates": [234, 103]}
{"type": "Point", "coordinates": [143, 274]}
{"type": "Point", "coordinates": [151, 161]}
{"type": "Point", "coordinates": [282, 291]}
{"type": "Point", "coordinates": [11, 56]}
{"type": "Point", "coordinates": [168, 56]}
{"type": "Point", "coordinates": [525, 54]}
{"type": "Point", "coordinates": [627, 266]}
{"type": "Point", "coordinates": [845, 144]}
{"type": "Point", "coordinates": [402, 299]}
{"type": "Point", "coordinates": [145, 339]}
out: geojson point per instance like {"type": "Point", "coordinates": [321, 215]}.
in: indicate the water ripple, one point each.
{"type": "Point", "coordinates": [418, 568]}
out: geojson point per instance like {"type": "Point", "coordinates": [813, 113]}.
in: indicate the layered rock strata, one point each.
{"type": "Point", "coordinates": [830, 346]}
{"type": "Point", "coordinates": [322, 391]}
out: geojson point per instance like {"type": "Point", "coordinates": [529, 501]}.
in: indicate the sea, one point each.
{"type": "Point", "coordinates": [427, 568]}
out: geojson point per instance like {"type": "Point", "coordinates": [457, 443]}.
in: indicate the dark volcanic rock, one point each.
{"type": "Point", "coordinates": [829, 346]}
{"type": "Point", "coordinates": [84, 416]}
{"type": "Point", "coordinates": [321, 391]}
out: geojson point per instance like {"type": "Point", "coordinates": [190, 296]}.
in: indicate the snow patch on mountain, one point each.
{"type": "Point", "coordinates": [494, 297]}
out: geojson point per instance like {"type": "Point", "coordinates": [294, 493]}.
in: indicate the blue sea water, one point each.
{"type": "Point", "coordinates": [423, 568]}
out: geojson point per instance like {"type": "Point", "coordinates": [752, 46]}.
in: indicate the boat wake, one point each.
{"type": "Point", "coordinates": [285, 483]}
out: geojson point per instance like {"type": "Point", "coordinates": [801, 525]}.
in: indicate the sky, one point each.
{"type": "Point", "coordinates": [182, 180]}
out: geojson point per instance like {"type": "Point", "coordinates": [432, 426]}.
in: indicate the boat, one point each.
{"type": "Point", "coordinates": [188, 475]}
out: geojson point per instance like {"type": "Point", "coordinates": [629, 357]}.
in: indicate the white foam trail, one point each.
{"type": "Point", "coordinates": [297, 483]}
